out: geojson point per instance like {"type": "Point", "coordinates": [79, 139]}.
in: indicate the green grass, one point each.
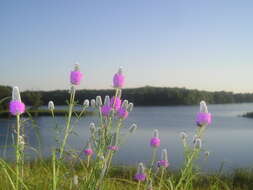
{"type": "Point", "coordinates": [38, 175]}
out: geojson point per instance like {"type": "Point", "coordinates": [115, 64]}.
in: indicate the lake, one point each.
{"type": "Point", "coordinates": [229, 138]}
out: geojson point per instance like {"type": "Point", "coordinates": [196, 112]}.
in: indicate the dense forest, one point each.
{"type": "Point", "coordinates": [144, 96]}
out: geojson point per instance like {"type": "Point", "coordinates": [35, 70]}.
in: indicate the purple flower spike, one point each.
{"type": "Point", "coordinates": [140, 177]}
{"type": "Point", "coordinates": [155, 142]}
{"type": "Point", "coordinates": [115, 103]}
{"type": "Point", "coordinates": [16, 107]}
{"type": "Point", "coordinates": [118, 79]}
{"type": "Point", "coordinates": [203, 116]}
{"type": "Point", "coordinates": [122, 113]}
{"type": "Point", "coordinates": [113, 148]}
{"type": "Point", "coordinates": [203, 119]}
{"type": "Point", "coordinates": [88, 151]}
{"type": "Point", "coordinates": [76, 76]}
{"type": "Point", "coordinates": [163, 163]}
{"type": "Point", "coordinates": [106, 110]}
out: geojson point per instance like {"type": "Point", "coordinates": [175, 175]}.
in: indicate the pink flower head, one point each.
{"type": "Point", "coordinates": [122, 113]}
{"type": "Point", "coordinates": [115, 102]}
{"type": "Point", "coordinates": [140, 174]}
{"type": "Point", "coordinates": [88, 151]}
{"type": "Point", "coordinates": [203, 119]}
{"type": "Point", "coordinates": [113, 148]}
{"type": "Point", "coordinates": [118, 79]}
{"type": "Point", "coordinates": [155, 142]}
{"type": "Point", "coordinates": [16, 107]}
{"type": "Point", "coordinates": [140, 177]}
{"type": "Point", "coordinates": [106, 110]}
{"type": "Point", "coordinates": [163, 163]}
{"type": "Point", "coordinates": [76, 76]}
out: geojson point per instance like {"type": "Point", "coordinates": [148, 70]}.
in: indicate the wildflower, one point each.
{"type": "Point", "coordinates": [124, 104]}
{"type": "Point", "coordinates": [203, 116]}
{"type": "Point", "coordinates": [122, 113]}
{"type": "Point", "coordinates": [155, 141]}
{"type": "Point", "coordinates": [86, 103]}
{"type": "Point", "coordinates": [198, 143]}
{"type": "Point", "coordinates": [115, 103]}
{"type": "Point", "coordinates": [118, 79]}
{"type": "Point", "coordinates": [16, 106]}
{"type": "Point", "coordinates": [93, 103]}
{"type": "Point", "coordinates": [132, 128]}
{"type": "Point", "coordinates": [183, 135]}
{"type": "Point", "coordinates": [164, 159]}
{"type": "Point", "coordinates": [88, 150]}
{"type": "Point", "coordinates": [92, 128]}
{"type": "Point", "coordinates": [107, 101]}
{"type": "Point", "coordinates": [114, 141]}
{"type": "Point", "coordinates": [51, 105]}
{"type": "Point", "coordinates": [106, 110]}
{"type": "Point", "coordinates": [140, 175]}
{"type": "Point", "coordinates": [113, 148]}
{"type": "Point", "coordinates": [76, 76]}
{"type": "Point", "coordinates": [98, 101]}
{"type": "Point", "coordinates": [130, 107]}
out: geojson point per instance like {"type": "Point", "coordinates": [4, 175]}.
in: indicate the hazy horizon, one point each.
{"type": "Point", "coordinates": [204, 45]}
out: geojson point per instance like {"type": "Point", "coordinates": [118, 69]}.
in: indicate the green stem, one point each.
{"type": "Point", "coordinates": [17, 152]}
{"type": "Point", "coordinates": [138, 186]}
{"type": "Point", "coordinates": [161, 179]}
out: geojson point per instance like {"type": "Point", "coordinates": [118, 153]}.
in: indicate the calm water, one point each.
{"type": "Point", "coordinates": [229, 138]}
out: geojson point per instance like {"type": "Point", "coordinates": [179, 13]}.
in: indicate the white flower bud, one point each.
{"type": "Point", "coordinates": [86, 103]}
{"type": "Point", "coordinates": [141, 168]}
{"type": "Point", "coordinates": [93, 103]}
{"type": "Point", "coordinates": [203, 107]}
{"type": "Point", "coordinates": [207, 153]}
{"type": "Point", "coordinates": [130, 107]}
{"type": "Point", "coordinates": [125, 104]}
{"type": "Point", "coordinates": [183, 135]}
{"type": "Point", "coordinates": [132, 128]}
{"type": "Point", "coordinates": [92, 128]}
{"type": "Point", "coordinates": [51, 105]}
{"type": "Point", "coordinates": [198, 143]}
{"type": "Point", "coordinates": [156, 133]}
{"type": "Point", "coordinates": [107, 100]}
{"type": "Point", "coordinates": [16, 94]}
{"type": "Point", "coordinates": [164, 155]}
{"type": "Point", "coordinates": [98, 101]}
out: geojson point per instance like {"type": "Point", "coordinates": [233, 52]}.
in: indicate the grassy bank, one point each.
{"type": "Point", "coordinates": [38, 175]}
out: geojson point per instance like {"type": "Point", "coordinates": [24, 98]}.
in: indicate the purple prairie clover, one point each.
{"type": "Point", "coordinates": [113, 148]}
{"type": "Point", "coordinates": [76, 76]}
{"type": "Point", "coordinates": [115, 103]}
{"type": "Point", "coordinates": [122, 113]}
{"type": "Point", "coordinates": [155, 140]}
{"type": "Point", "coordinates": [140, 175]}
{"type": "Point", "coordinates": [114, 141]}
{"type": "Point", "coordinates": [203, 116]}
{"type": "Point", "coordinates": [119, 79]}
{"type": "Point", "coordinates": [51, 105]}
{"type": "Point", "coordinates": [164, 159]}
{"type": "Point", "coordinates": [16, 106]}
{"type": "Point", "coordinates": [88, 150]}
{"type": "Point", "coordinates": [106, 110]}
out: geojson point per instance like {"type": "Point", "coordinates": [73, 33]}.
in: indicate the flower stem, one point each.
{"type": "Point", "coordinates": [161, 179]}
{"type": "Point", "coordinates": [17, 152]}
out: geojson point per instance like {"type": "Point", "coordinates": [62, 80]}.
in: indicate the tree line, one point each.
{"type": "Point", "coordinates": [144, 96]}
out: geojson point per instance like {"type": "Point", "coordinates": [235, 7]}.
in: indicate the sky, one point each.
{"type": "Point", "coordinates": [205, 45]}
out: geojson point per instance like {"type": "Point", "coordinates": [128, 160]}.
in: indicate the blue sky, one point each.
{"type": "Point", "coordinates": [186, 43]}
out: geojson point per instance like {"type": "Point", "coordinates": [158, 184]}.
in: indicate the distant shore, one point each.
{"type": "Point", "coordinates": [45, 112]}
